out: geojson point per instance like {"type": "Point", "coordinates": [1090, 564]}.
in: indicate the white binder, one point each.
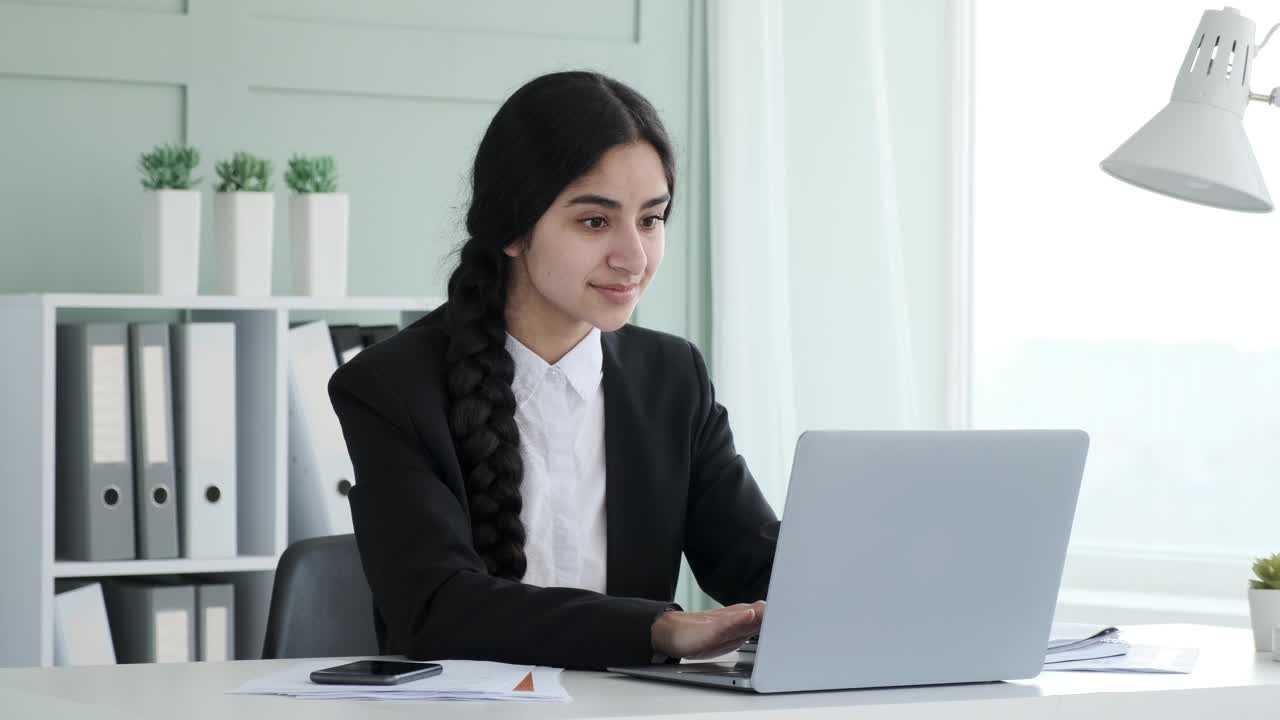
{"type": "Point", "coordinates": [320, 472]}
{"type": "Point", "coordinates": [81, 633]}
{"type": "Point", "coordinates": [204, 393]}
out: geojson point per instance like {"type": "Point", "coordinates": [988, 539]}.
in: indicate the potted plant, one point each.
{"type": "Point", "coordinates": [244, 217]}
{"type": "Point", "coordinates": [1264, 600]}
{"type": "Point", "coordinates": [318, 226]}
{"type": "Point", "coordinates": [170, 221]}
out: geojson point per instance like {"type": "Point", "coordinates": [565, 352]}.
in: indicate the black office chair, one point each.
{"type": "Point", "coordinates": [320, 602]}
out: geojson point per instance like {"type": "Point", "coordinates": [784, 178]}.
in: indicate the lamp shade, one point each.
{"type": "Point", "coordinates": [1196, 148]}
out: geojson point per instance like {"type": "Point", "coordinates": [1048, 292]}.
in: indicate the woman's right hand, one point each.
{"type": "Point", "coordinates": [708, 634]}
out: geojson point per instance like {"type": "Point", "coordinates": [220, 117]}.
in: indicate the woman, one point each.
{"type": "Point", "coordinates": [529, 468]}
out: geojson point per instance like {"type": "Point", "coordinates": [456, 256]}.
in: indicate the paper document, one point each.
{"type": "Point", "coordinates": [1107, 647]}
{"type": "Point", "coordinates": [1140, 658]}
{"type": "Point", "coordinates": [1065, 636]}
{"type": "Point", "coordinates": [461, 680]}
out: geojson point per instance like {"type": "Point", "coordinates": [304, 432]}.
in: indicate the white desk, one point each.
{"type": "Point", "coordinates": [1230, 681]}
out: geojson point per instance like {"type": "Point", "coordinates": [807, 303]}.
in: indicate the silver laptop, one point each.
{"type": "Point", "coordinates": [911, 558]}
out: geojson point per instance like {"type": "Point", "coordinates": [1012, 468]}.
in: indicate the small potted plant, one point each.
{"type": "Point", "coordinates": [318, 227]}
{"type": "Point", "coordinates": [1264, 600]}
{"type": "Point", "coordinates": [171, 221]}
{"type": "Point", "coordinates": [244, 219]}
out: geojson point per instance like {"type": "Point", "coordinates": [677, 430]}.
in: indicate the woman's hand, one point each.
{"type": "Point", "coordinates": [700, 635]}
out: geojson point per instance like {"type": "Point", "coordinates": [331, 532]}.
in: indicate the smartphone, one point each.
{"type": "Point", "coordinates": [376, 672]}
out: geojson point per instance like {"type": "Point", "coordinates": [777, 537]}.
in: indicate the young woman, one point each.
{"type": "Point", "coordinates": [529, 468]}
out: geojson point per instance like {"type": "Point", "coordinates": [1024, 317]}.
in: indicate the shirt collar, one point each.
{"type": "Point", "coordinates": [582, 366]}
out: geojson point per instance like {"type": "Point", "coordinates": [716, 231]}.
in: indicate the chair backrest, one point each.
{"type": "Point", "coordinates": [321, 605]}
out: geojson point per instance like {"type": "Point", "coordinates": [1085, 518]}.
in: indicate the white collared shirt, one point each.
{"type": "Point", "coordinates": [560, 415]}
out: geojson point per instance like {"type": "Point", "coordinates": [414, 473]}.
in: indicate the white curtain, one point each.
{"type": "Point", "coordinates": [839, 181]}
{"type": "Point", "coordinates": [750, 254]}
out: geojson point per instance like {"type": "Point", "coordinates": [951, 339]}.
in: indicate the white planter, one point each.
{"type": "Point", "coordinates": [243, 227]}
{"type": "Point", "coordinates": [318, 232]}
{"type": "Point", "coordinates": [171, 242]}
{"type": "Point", "coordinates": [1264, 613]}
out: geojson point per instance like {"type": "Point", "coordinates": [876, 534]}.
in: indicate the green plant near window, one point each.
{"type": "Point", "coordinates": [244, 173]}
{"type": "Point", "coordinates": [1268, 571]}
{"type": "Point", "coordinates": [316, 174]}
{"type": "Point", "coordinates": [169, 167]}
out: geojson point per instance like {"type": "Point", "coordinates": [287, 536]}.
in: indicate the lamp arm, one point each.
{"type": "Point", "coordinates": [1272, 99]}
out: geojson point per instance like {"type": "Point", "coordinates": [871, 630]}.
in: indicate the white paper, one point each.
{"type": "Point", "coordinates": [1140, 658]}
{"type": "Point", "coordinates": [155, 401]}
{"type": "Point", "coordinates": [108, 396]}
{"type": "Point", "coordinates": [1107, 647]}
{"type": "Point", "coordinates": [1064, 635]}
{"type": "Point", "coordinates": [173, 638]}
{"type": "Point", "coordinates": [350, 353]}
{"type": "Point", "coordinates": [465, 680]}
{"type": "Point", "coordinates": [215, 634]}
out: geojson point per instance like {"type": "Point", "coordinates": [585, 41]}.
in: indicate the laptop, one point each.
{"type": "Point", "coordinates": [911, 558]}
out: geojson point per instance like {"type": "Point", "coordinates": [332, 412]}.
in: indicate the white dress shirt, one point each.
{"type": "Point", "coordinates": [560, 415]}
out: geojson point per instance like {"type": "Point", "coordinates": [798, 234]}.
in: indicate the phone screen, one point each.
{"type": "Point", "coordinates": [380, 668]}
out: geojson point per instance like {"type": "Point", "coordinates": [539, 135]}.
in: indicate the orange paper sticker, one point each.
{"type": "Point", "coordinates": [526, 685]}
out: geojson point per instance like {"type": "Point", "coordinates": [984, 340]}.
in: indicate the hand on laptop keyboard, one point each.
{"type": "Point", "coordinates": [709, 634]}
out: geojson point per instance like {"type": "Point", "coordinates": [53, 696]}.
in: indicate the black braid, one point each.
{"type": "Point", "coordinates": [482, 409]}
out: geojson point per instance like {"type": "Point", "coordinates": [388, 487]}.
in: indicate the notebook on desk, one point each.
{"type": "Point", "coordinates": [957, 535]}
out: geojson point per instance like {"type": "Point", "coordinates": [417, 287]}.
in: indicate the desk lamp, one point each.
{"type": "Point", "coordinates": [1195, 148]}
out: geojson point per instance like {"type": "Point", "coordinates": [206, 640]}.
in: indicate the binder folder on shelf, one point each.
{"type": "Point", "coordinates": [81, 633]}
{"type": "Point", "coordinates": [151, 624]}
{"type": "Point", "coordinates": [373, 334]}
{"type": "Point", "coordinates": [94, 507]}
{"type": "Point", "coordinates": [215, 623]}
{"type": "Point", "coordinates": [155, 500]}
{"type": "Point", "coordinates": [320, 473]}
{"type": "Point", "coordinates": [204, 381]}
{"type": "Point", "coordinates": [347, 342]}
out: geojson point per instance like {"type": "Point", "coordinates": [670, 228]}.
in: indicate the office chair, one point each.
{"type": "Point", "coordinates": [321, 605]}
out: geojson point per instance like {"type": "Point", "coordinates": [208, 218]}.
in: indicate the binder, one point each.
{"type": "Point", "coordinates": [81, 633]}
{"type": "Point", "coordinates": [373, 334]}
{"type": "Point", "coordinates": [151, 623]}
{"type": "Point", "coordinates": [215, 623]}
{"type": "Point", "coordinates": [94, 515]}
{"type": "Point", "coordinates": [204, 381]}
{"type": "Point", "coordinates": [155, 501]}
{"type": "Point", "coordinates": [320, 473]}
{"type": "Point", "coordinates": [347, 341]}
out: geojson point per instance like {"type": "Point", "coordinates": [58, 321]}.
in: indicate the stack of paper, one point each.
{"type": "Point", "coordinates": [1072, 642]}
{"type": "Point", "coordinates": [1099, 648]}
{"type": "Point", "coordinates": [461, 680]}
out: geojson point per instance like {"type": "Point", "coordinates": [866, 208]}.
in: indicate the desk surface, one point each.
{"type": "Point", "coordinates": [1229, 678]}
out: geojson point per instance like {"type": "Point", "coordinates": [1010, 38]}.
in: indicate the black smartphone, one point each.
{"type": "Point", "coordinates": [375, 672]}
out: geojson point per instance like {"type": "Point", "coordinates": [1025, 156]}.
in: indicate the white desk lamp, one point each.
{"type": "Point", "coordinates": [1196, 148]}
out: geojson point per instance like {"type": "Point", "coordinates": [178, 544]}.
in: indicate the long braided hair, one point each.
{"type": "Point", "coordinates": [549, 133]}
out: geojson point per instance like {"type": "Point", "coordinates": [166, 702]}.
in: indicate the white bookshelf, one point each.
{"type": "Point", "coordinates": [27, 449]}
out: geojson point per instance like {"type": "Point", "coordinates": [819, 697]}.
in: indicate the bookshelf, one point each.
{"type": "Point", "coordinates": [27, 449]}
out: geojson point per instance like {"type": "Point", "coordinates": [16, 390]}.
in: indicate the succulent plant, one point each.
{"type": "Point", "coordinates": [316, 174]}
{"type": "Point", "coordinates": [244, 173]}
{"type": "Point", "coordinates": [168, 167]}
{"type": "Point", "coordinates": [1268, 571]}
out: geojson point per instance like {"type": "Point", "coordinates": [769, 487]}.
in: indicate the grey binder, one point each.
{"type": "Point", "coordinates": [94, 514]}
{"type": "Point", "coordinates": [151, 623]}
{"type": "Point", "coordinates": [215, 623]}
{"type": "Point", "coordinates": [204, 382]}
{"type": "Point", "coordinates": [155, 500]}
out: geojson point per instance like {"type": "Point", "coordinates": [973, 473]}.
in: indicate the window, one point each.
{"type": "Point", "coordinates": [1153, 324]}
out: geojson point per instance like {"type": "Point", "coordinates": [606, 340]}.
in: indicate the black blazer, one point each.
{"type": "Point", "coordinates": [674, 484]}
